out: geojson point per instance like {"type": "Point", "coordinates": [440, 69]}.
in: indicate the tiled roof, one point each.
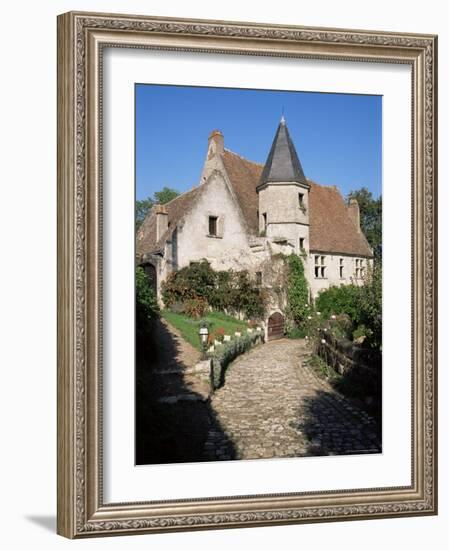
{"type": "Point", "coordinates": [282, 163]}
{"type": "Point", "coordinates": [176, 208]}
{"type": "Point", "coordinates": [244, 176]}
{"type": "Point", "coordinates": [332, 229]}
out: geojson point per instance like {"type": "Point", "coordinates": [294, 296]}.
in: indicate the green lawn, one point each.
{"type": "Point", "coordinates": [189, 327]}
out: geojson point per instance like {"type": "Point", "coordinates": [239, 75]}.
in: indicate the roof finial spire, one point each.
{"type": "Point", "coordinates": [282, 116]}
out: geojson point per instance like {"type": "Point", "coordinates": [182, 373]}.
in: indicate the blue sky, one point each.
{"type": "Point", "coordinates": [338, 137]}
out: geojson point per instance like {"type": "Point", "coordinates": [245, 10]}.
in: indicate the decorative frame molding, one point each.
{"type": "Point", "coordinates": [81, 37]}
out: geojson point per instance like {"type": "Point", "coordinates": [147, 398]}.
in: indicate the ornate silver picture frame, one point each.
{"type": "Point", "coordinates": [82, 508]}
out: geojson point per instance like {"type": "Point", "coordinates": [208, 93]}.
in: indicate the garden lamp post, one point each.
{"type": "Point", "coordinates": [204, 335]}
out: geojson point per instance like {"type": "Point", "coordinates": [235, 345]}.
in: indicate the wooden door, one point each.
{"type": "Point", "coordinates": [275, 326]}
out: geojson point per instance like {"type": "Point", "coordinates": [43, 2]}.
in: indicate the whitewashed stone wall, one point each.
{"type": "Point", "coordinates": [284, 216]}
{"type": "Point", "coordinates": [230, 248]}
{"type": "Point", "coordinates": [332, 271]}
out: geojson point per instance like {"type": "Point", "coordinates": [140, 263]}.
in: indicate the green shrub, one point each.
{"type": "Point", "coordinates": [362, 304]}
{"type": "Point", "coordinates": [312, 325]}
{"type": "Point", "coordinates": [339, 299]}
{"type": "Point", "coordinates": [321, 367]}
{"type": "Point", "coordinates": [194, 281]}
{"type": "Point", "coordinates": [246, 297]}
{"type": "Point", "coordinates": [361, 333]}
{"type": "Point", "coordinates": [296, 332]}
{"type": "Point", "coordinates": [221, 298]}
{"type": "Point", "coordinates": [147, 309]}
{"type": "Point", "coordinates": [370, 306]}
{"type": "Point", "coordinates": [195, 307]}
{"type": "Point", "coordinates": [226, 291]}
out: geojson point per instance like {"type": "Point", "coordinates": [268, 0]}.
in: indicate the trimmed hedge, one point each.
{"type": "Point", "coordinates": [227, 352]}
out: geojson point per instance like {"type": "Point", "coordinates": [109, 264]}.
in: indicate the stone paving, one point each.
{"type": "Point", "coordinates": [273, 405]}
{"type": "Point", "coordinates": [174, 374]}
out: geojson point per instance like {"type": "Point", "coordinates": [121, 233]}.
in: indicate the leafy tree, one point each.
{"type": "Point", "coordinates": [142, 209]}
{"type": "Point", "coordinates": [166, 194]}
{"type": "Point", "coordinates": [147, 309]}
{"type": "Point", "coordinates": [297, 289]}
{"type": "Point", "coordinates": [370, 305]}
{"type": "Point", "coordinates": [370, 218]}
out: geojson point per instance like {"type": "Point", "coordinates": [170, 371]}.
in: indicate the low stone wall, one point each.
{"type": "Point", "coordinates": [343, 355]}
{"type": "Point", "coordinates": [361, 368]}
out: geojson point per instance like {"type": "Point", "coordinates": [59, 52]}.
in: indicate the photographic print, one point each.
{"type": "Point", "coordinates": [258, 274]}
{"type": "Point", "coordinates": [247, 274]}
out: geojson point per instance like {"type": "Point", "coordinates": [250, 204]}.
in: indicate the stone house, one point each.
{"type": "Point", "coordinates": [245, 215]}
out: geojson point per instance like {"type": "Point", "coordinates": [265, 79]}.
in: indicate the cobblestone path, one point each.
{"type": "Point", "coordinates": [273, 405]}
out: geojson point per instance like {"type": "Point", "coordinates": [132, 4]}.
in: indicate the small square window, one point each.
{"type": "Point", "coordinates": [301, 243]}
{"type": "Point", "coordinates": [213, 225]}
{"type": "Point", "coordinates": [301, 200]}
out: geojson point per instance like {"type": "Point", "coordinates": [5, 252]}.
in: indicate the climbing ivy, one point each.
{"type": "Point", "coordinates": [297, 289]}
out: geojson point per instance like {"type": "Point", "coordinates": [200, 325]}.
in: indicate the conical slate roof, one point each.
{"type": "Point", "coordinates": [282, 163]}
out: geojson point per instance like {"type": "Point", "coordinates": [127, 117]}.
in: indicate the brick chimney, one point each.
{"type": "Point", "coordinates": [354, 212]}
{"type": "Point", "coordinates": [215, 144]}
{"type": "Point", "coordinates": [161, 220]}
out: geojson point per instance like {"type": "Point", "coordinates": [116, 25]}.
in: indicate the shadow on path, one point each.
{"type": "Point", "coordinates": [173, 414]}
{"type": "Point", "coordinates": [333, 426]}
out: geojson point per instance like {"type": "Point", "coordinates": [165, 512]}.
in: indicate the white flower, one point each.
{"type": "Point", "coordinates": [307, 337]}
{"type": "Point", "coordinates": [318, 313]}
{"type": "Point", "coordinates": [325, 329]}
{"type": "Point", "coordinates": [323, 341]}
{"type": "Point", "coordinates": [309, 317]}
{"type": "Point", "coordinates": [333, 316]}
